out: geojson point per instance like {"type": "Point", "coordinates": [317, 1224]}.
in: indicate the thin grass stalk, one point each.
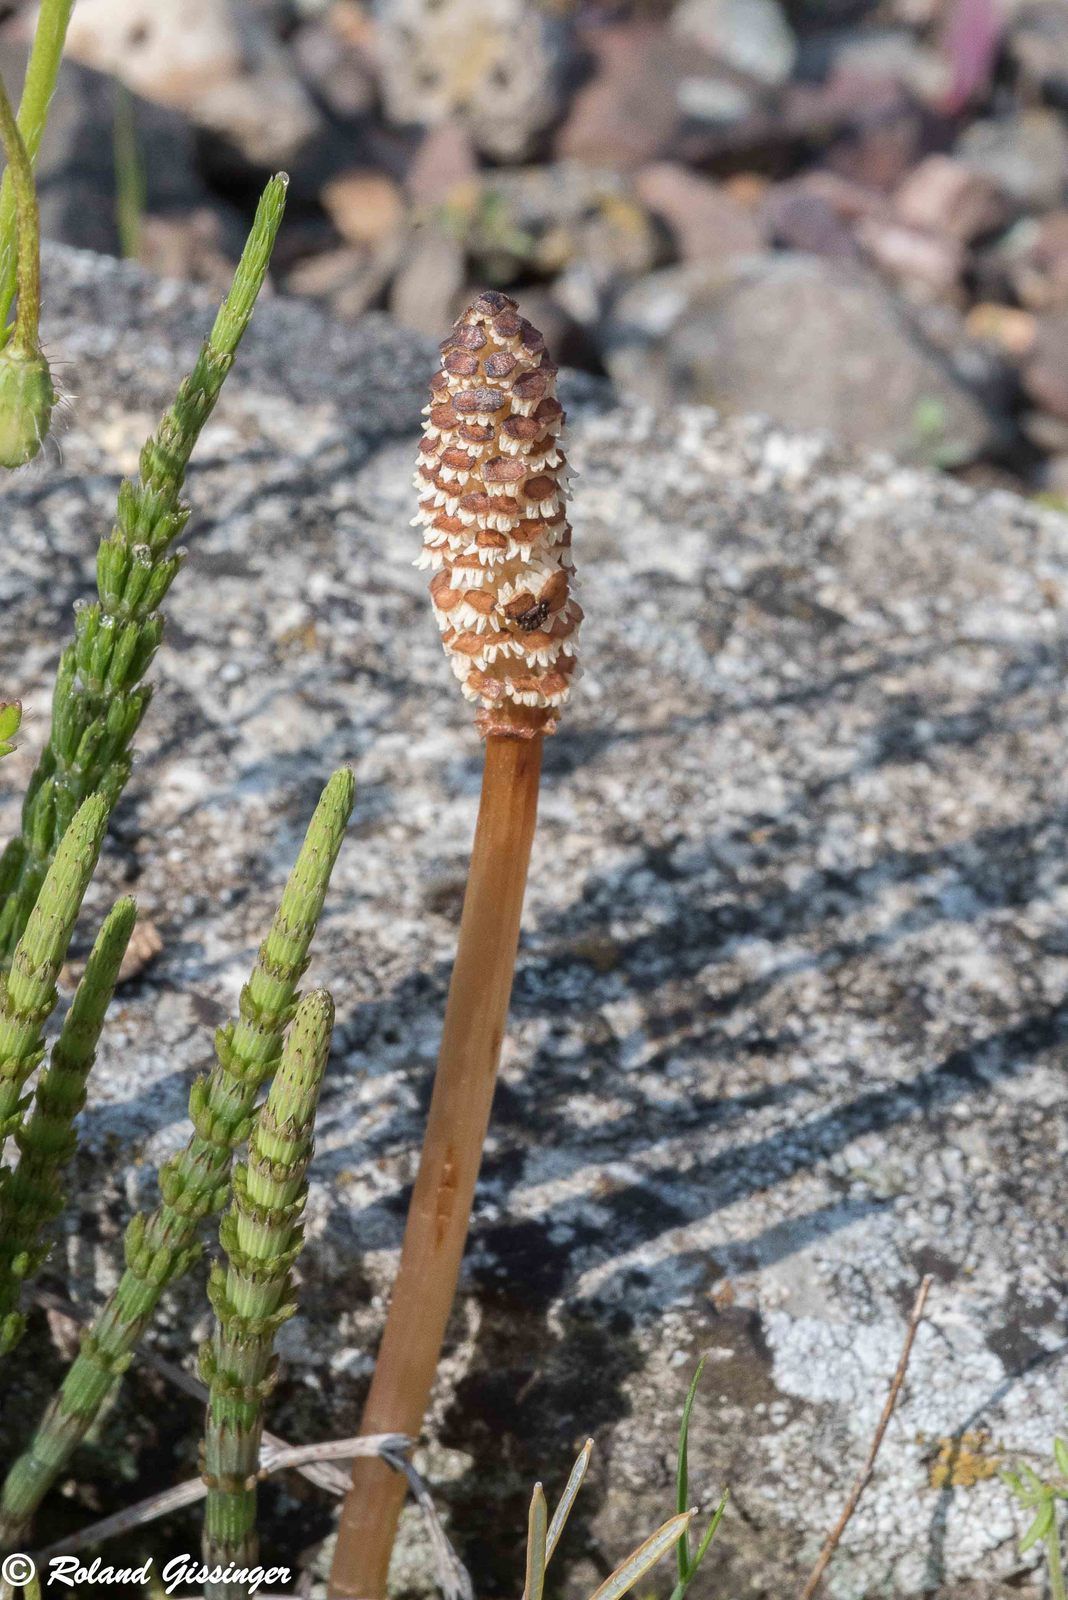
{"type": "Point", "coordinates": [27, 227]}
{"type": "Point", "coordinates": [28, 994]}
{"type": "Point", "coordinates": [261, 1236]}
{"type": "Point", "coordinates": [863, 1478]}
{"type": "Point", "coordinates": [537, 1554]}
{"type": "Point", "coordinates": [130, 180]}
{"type": "Point", "coordinates": [100, 697]}
{"type": "Point", "coordinates": [162, 1245]}
{"type": "Point", "coordinates": [27, 393]}
{"type": "Point", "coordinates": [33, 1197]}
{"type": "Point", "coordinates": [42, 69]}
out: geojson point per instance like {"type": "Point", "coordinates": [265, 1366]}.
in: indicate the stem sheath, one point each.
{"type": "Point", "coordinates": [440, 1208]}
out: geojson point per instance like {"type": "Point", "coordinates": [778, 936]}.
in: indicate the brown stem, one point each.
{"type": "Point", "coordinates": [864, 1475]}
{"type": "Point", "coordinates": [440, 1208]}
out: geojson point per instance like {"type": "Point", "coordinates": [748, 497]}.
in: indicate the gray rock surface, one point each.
{"type": "Point", "coordinates": [498, 66]}
{"type": "Point", "coordinates": [1026, 156]}
{"type": "Point", "coordinates": [806, 341]}
{"type": "Point", "coordinates": [789, 1021]}
{"type": "Point", "coordinates": [753, 36]}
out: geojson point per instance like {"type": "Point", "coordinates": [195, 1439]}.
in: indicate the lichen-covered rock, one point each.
{"type": "Point", "coordinates": [789, 1021]}
{"type": "Point", "coordinates": [802, 340]}
{"type": "Point", "coordinates": [499, 65]}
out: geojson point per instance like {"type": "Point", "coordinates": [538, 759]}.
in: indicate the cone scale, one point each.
{"type": "Point", "coordinates": [492, 484]}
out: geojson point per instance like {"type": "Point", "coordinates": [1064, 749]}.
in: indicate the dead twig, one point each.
{"type": "Point", "coordinates": [273, 1458]}
{"type": "Point", "coordinates": [864, 1476]}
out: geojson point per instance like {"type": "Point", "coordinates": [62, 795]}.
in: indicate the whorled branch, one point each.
{"type": "Point", "coordinates": [100, 695]}
{"type": "Point", "coordinates": [261, 1235]}
{"type": "Point", "coordinates": [161, 1245]}
{"type": "Point", "coordinates": [32, 1195]}
{"type": "Point", "coordinates": [28, 993]}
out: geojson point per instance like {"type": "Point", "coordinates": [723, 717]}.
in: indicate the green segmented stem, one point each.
{"type": "Point", "coordinates": [28, 227]}
{"type": "Point", "coordinates": [27, 393]}
{"type": "Point", "coordinates": [162, 1245]}
{"type": "Point", "coordinates": [261, 1236]}
{"type": "Point", "coordinates": [28, 993]}
{"type": "Point", "coordinates": [41, 72]}
{"type": "Point", "coordinates": [100, 696]}
{"type": "Point", "coordinates": [33, 1197]}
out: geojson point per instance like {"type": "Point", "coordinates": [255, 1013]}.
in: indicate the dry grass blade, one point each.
{"type": "Point", "coordinates": [454, 1580]}
{"type": "Point", "coordinates": [567, 1500]}
{"type": "Point", "coordinates": [646, 1556]}
{"type": "Point", "coordinates": [149, 1509]}
{"type": "Point", "coordinates": [537, 1523]}
{"type": "Point", "coordinates": [863, 1477]}
{"type": "Point", "coordinates": [275, 1455]}
{"type": "Point", "coordinates": [274, 1458]}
